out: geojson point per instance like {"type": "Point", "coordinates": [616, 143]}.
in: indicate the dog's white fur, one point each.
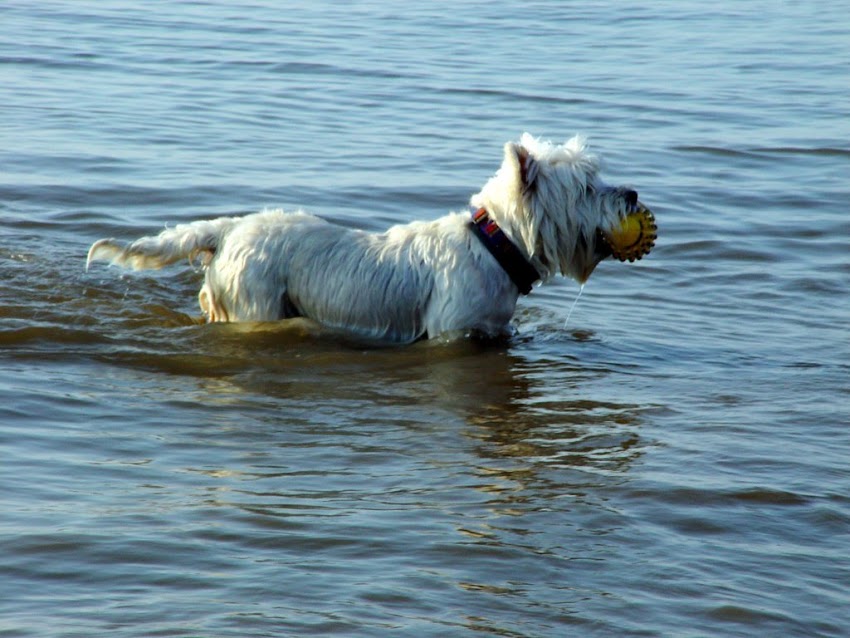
{"type": "Point", "coordinates": [414, 280]}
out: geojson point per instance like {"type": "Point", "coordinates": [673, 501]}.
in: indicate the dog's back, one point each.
{"type": "Point", "coordinates": [414, 280]}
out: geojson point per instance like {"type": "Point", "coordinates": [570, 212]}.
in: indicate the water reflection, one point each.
{"type": "Point", "coordinates": [520, 401]}
{"type": "Point", "coordinates": [523, 411]}
{"type": "Point", "coordinates": [523, 399]}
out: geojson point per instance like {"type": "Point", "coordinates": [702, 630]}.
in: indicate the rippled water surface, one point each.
{"type": "Point", "coordinates": [671, 462]}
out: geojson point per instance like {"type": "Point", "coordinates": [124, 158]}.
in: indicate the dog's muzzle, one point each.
{"type": "Point", "coordinates": [634, 237]}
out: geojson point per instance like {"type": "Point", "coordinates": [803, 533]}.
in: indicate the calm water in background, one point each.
{"type": "Point", "coordinates": [672, 462]}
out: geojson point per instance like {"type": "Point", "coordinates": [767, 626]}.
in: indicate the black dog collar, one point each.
{"type": "Point", "coordinates": [522, 273]}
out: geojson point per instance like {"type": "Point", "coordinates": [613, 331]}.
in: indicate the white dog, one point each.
{"type": "Point", "coordinates": [545, 211]}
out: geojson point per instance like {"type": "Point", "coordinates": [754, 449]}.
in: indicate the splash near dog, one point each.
{"type": "Point", "coordinates": [545, 212]}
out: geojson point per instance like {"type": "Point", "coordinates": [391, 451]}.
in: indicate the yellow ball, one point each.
{"type": "Point", "coordinates": [635, 236]}
{"type": "Point", "coordinates": [629, 232]}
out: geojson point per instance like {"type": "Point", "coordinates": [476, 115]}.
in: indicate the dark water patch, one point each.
{"type": "Point", "coordinates": [500, 95]}
{"type": "Point", "coordinates": [73, 62]}
{"type": "Point", "coordinates": [317, 68]}
{"type": "Point", "coordinates": [764, 152]}
{"type": "Point", "coordinates": [825, 151]}
{"type": "Point", "coordinates": [747, 616]}
{"type": "Point", "coordinates": [706, 497]}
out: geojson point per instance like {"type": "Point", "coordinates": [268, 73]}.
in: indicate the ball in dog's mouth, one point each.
{"type": "Point", "coordinates": [634, 237]}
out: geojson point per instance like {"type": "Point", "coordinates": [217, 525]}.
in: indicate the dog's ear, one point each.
{"type": "Point", "coordinates": [525, 166]}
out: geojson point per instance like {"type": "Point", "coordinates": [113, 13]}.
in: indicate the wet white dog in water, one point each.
{"type": "Point", "coordinates": [545, 211]}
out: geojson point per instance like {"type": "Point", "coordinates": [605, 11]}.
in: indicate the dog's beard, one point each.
{"type": "Point", "coordinates": [587, 257]}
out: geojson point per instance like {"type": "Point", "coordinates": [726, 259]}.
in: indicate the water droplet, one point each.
{"type": "Point", "coordinates": [573, 307]}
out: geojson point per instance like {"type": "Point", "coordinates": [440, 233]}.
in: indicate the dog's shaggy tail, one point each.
{"type": "Point", "coordinates": [184, 241]}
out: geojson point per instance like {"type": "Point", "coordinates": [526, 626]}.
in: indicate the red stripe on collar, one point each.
{"type": "Point", "coordinates": [512, 261]}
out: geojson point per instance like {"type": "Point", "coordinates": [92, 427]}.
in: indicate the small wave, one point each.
{"type": "Point", "coordinates": [825, 151]}
{"type": "Point", "coordinates": [74, 62]}
{"type": "Point", "coordinates": [29, 335]}
{"type": "Point", "coordinates": [764, 151]}
{"type": "Point", "coordinates": [753, 495]}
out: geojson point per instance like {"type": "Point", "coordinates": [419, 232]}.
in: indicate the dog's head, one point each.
{"type": "Point", "coordinates": [552, 202]}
